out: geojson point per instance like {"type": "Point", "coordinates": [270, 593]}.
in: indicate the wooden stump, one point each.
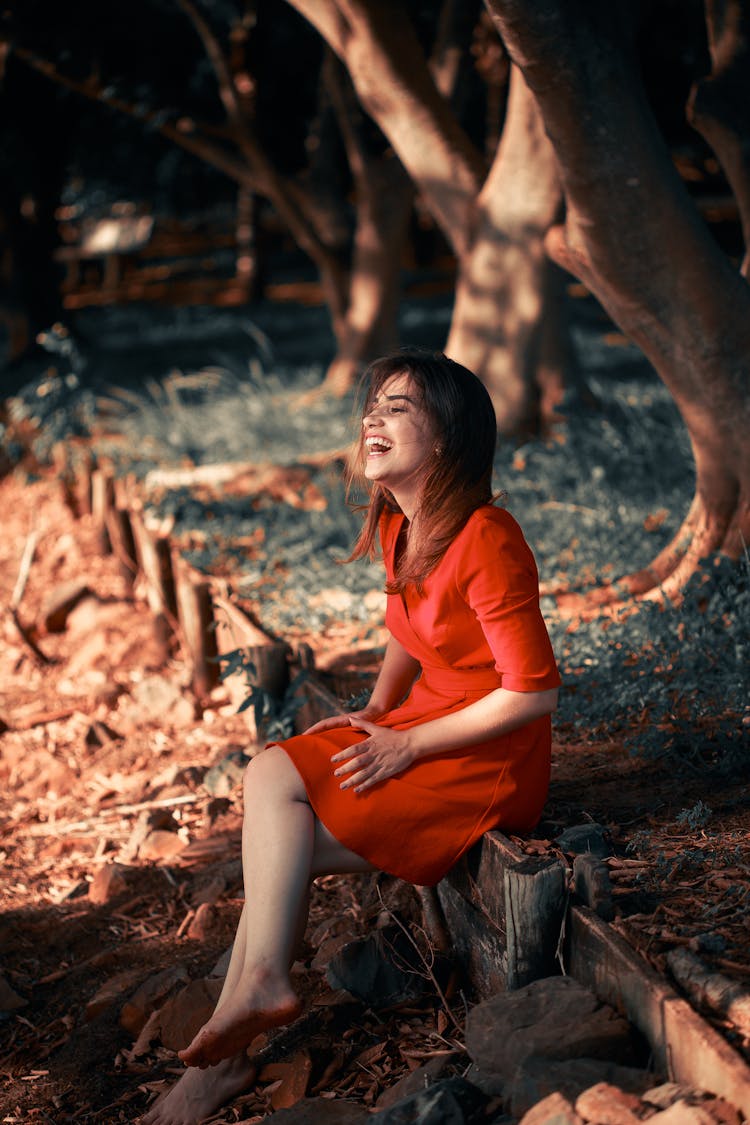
{"type": "Point", "coordinates": [102, 503]}
{"type": "Point", "coordinates": [155, 560]}
{"type": "Point", "coordinates": [268, 656]}
{"type": "Point", "coordinates": [196, 617]}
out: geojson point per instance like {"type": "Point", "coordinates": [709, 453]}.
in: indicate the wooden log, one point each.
{"type": "Point", "coordinates": [102, 502]}
{"type": "Point", "coordinates": [83, 484]}
{"type": "Point", "coordinates": [711, 991]}
{"type": "Point", "coordinates": [123, 543]}
{"type": "Point", "coordinates": [155, 561]}
{"type": "Point", "coordinates": [196, 617]}
{"type": "Point", "coordinates": [684, 1046]}
{"type": "Point", "coordinates": [269, 656]}
{"type": "Point", "coordinates": [518, 900]}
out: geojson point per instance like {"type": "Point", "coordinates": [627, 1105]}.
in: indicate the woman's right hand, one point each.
{"type": "Point", "coordinates": [342, 720]}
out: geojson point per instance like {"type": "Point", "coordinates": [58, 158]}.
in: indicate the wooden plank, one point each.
{"type": "Point", "coordinates": [478, 945]}
{"type": "Point", "coordinates": [685, 1047]}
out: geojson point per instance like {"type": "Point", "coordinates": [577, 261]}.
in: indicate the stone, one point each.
{"type": "Point", "coordinates": [592, 884]}
{"type": "Point", "coordinates": [450, 1101]}
{"type": "Point", "coordinates": [580, 838]}
{"type": "Point", "coordinates": [421, 1078]}
{"type": "Point", "coordinates": [224, 777]}
{"type": "Point", "coordinates": [382, 969]}
{"type": "Point", "coordinates": [160, 844]}
{"type": "Point", "coordinates": [203, 922]}
{"type": "Point", "coordinates": [185, 1013]}
{"type": "Point", "coordinates": [149, 996]}
{"type": "Point", "coordinates": [535, 1078]}
{"type": "Point", "coordinates": [111, 992]}
{"type": "Point", "coordinates": [608, 1105]}
{"type": "Point", "coordinates": [663, 1095]}
{"type": "Point", "coordinates": [59, 604]}
{"type": "Point", "coordinates": [109, 882]}
{"type": "Point", "coordinates": [552, 1018]}
{"type": "Point", "coordinates": [553, 1110]}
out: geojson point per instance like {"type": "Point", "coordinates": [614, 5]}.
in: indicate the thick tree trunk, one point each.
{"type": "Point", "coordinates": [634, 238]}
{"type": "Point", "coordinates": [384, 195]}
{"type": "Point", "coordinates": [501, 327]}
{"type": "Point", "coordinates": [719, 105]}
{"type": "Point", "coordinates": [500, 309]}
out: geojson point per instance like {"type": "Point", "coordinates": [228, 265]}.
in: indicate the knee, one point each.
{"type": "Point", "coordinates": [267, 772]}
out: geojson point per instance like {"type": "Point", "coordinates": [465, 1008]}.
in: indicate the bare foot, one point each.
{"type": "Point", "coordinates": [234, 1025]}
{"type": "Point", "coordinates": [200, 1092]}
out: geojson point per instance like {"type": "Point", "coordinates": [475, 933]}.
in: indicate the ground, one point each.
{"type": "Point", "coordinates": [105, 751]}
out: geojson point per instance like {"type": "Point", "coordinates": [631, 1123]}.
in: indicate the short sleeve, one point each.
{"type": "Point", "coordinates": [498, 579]}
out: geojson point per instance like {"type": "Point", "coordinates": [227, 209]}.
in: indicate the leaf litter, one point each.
{"type": "Point", "coordinates": [651, 733]}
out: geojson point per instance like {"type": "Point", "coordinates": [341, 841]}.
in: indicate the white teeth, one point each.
{"type": "Point", "coordinates": [377, 444]}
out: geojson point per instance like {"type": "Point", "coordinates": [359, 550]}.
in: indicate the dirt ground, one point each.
{"type": "Point", "coordinates": [103, 761]}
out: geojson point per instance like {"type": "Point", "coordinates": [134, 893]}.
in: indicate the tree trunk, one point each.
{"type": "Point", "coordinates": [500, 308]}
{"type": "Point", "coordinates": [495, 230]}
{"type": "Point", "coordinates": [633, 236]}
{"type": "Point", "coordinates": [384, 195]}
{"type": "Point", "coordinates": [719, 105]}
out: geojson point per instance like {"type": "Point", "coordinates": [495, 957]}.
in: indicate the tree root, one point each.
{"type": "Point", "coordinates": [701, 535]}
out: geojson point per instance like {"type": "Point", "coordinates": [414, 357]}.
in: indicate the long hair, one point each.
{"type": "Point", "coordinates": [457, 474]}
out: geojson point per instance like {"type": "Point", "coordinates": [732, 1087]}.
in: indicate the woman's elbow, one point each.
{"type": "Point", "coordinates": [547, 701]}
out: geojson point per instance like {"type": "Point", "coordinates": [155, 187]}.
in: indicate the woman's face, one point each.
{"type": "Point", "coordinates": [399, 437]}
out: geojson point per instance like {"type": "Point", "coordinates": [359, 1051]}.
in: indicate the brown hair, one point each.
{"type": "Point", "coordinates": [457, 474]}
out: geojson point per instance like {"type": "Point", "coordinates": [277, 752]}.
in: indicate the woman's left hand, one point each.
{"type": "Point", "coordinates": [383, 754]}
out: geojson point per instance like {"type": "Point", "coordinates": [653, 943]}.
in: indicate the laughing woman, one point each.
{"type": "Point", "coordinates": [455, 738]}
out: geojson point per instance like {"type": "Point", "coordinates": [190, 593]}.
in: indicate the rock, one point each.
{"type": "Point", "coordinates": [161, 844]}
{"type": "Point", "coordinates": [149, 996]}
{"type": "Point", "coordinates": [421, 1078]}
{"type": "Point", "coordinates": [111, 992]}
{"type": "Point", "coordinates": [10, 1001]}
{"type": "Point", "coordinates": [59, 603]}
{"type": "Point", "coordinates": [608, 1105]}
{"type": "Point", "coordinates": [184, 1014]}
{"type": "Point", "coordinates": [552, 1018]}
{"type": "Point", "coordinates": [451, 1101]}
{"type": "Point", "coordinates": [580, 838]}
{"type": "Point", "coordinates": [554, 1110]}
{"type": "Point", "coordinates": [99, 734]}
{"type": "Point", "coordinates": [157, 699]}
{"type": "Point", "coordinates": [322, 1111]}
{"type": "Point", "coordinates": [204, 921]}
{"type": "Point", "coordinates": [592, 884]}
{"type": "Point", "coordinates": [293, 1078]}
{"type": "Point", "coordinates": [535, 1078]}
{"type": "Point", "coordinates": [224, 777]}
{"type": "Point", "coordinates": [109, 882]}
{"type": "Point", "coordinates": [208, 889]}
{"type": "Point", "coordinates": [383, 968]}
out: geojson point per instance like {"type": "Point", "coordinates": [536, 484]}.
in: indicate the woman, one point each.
{"type": "Point", "coordinates": [455, 738]}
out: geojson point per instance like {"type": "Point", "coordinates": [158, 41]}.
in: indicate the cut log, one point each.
{"type": "Point", "coordinates": [102, 501]}
{"type": "Point", "coordinates": [196, 617]}
{"type": "Point", "coordinates": [711, 991]}
{"type": "Point", "coordinates": [684, 1046]}
{"type": "Point", "coordinates": [123, 543]}
{"type": "Point", "coordinates": [155, 559]}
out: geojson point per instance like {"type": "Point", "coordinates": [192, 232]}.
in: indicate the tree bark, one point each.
{"type": "Point", "coordinates": [719, 105]}
{"type": "Point", "coordinates": [633, 236]}
{"type": "Point", "coordinates": [494, 224]}
{"type": "Point", "coordinates": [505, 276]}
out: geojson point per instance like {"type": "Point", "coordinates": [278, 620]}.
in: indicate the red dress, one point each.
{"type": "Point", "coordinates": [477, 627]}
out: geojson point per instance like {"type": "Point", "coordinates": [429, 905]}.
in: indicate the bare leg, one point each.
{"type": "Point", "coordinates": [284, 846]}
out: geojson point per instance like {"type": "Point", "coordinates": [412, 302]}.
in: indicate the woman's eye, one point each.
{"type": "Point", "coordinates": [398, 410]}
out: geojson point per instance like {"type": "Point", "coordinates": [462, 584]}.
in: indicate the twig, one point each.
{"type": "Point", "coordinates": [23, 571]}
{"type": "Point", "coordinates": [114, 810]}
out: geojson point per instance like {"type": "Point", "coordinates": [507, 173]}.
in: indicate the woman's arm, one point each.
{"type": "Point", "coordinates": [397, 674]}
{"type": "Point", "coordinates": [386, 752]}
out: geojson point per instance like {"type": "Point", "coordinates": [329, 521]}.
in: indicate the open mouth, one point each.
{"type": "Point", "coordinates": [376, 446]}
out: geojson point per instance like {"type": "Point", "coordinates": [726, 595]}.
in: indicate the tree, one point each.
{"type": "Point", "coordinates": [506, 324]}
{"type": "Point", "coordinates": [633, 236]}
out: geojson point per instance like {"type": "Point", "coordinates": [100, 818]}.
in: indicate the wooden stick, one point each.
{"type": "Point", "coordinates": [57, 826]}
{"type": "Point", "coordinates": [196, 616]}
{"type": "Point", "coordinates": [102, 501]}
{"type": "Point", "coordinates": [24, 569]}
